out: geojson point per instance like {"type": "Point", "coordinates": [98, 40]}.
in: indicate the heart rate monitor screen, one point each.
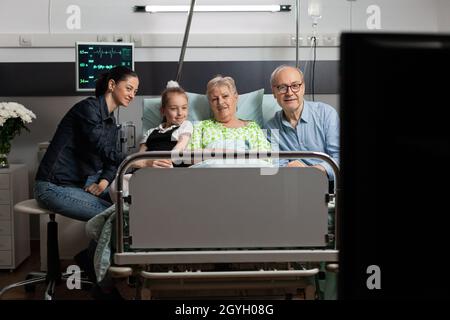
{"type": "Point", "coordinates": [93, 59]}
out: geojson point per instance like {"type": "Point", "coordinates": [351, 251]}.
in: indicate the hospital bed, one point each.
{"type": "Point", "coordinates": [234, 231]}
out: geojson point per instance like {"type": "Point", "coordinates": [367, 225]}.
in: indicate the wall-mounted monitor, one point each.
{"type": "Point", "coordinates": [95, 58]}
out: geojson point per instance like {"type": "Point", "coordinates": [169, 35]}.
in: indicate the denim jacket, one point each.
{"type": "Point", "coordinates": [85, 143]}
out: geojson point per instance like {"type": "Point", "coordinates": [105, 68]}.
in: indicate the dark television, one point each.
{"type": "Point", "coordinates": [95, 58]}
{"type": "Point", "coordinates": [395, 153]}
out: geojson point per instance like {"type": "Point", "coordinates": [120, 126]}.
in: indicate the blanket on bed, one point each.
{"type": "Point", "coordinates": [102, 229]}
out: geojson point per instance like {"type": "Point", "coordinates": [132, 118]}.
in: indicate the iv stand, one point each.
{"type": "Point", "coordinates": [188, 27]}
{"type": "Point", "coordinates": [297, 29]}
{"type": "Point", "coordinates": [185, 40]}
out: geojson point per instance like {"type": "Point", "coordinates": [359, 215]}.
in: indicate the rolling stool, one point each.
{"type": "Point", "coordinates": [53, 275]}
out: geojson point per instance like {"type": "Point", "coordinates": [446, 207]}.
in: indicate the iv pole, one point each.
{"type": "Point", "coordinates": [297, 28]}
{"type": "Point", "coordinates": [188, 27]}
{"type": "Point", "coordinates": [185, 40]}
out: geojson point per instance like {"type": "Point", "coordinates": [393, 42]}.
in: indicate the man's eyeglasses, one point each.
{"type": "Point", "coordinates": [283, 88]}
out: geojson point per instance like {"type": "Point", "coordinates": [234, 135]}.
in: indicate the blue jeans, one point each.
{"type": "Point", "coordinates": [71, 202]}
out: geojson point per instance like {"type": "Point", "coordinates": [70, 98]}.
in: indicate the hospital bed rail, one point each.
{"type": "Point", "coordinates": [151, 257]}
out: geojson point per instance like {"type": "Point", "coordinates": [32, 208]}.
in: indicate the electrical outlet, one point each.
{"type": "Point", "coordinates": [329, 40]}
{"type": "Point", "coordinates": [25, 41]}
{"type": "Point", "coordinates": [338, 41]}
{"type": "Point", "coordinates": [294, 42]}
{"type": "Point", "coordinates": [137, 39]}
{"type": "Point", "coordinates": [309, 40]}
{"type": "Point", "coordinates": [120, 38]}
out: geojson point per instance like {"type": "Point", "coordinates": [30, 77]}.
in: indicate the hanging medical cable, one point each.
{"type": "Point", "coordinates": [313, 69]}
{"type": "Point", "coordinates": [315, 12]}
{"type": "Point", "coordinates": [306, 66]}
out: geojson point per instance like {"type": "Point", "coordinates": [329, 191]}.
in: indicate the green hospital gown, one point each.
{"type": "Point", "coordinates": [212, 134]}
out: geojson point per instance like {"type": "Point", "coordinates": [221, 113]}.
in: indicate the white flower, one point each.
{"type": "Point", "coordinates": [15, 110]}
{"type": "Point", "coordinates": [13, 117]}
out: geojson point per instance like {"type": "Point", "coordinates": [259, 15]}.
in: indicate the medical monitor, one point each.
{"type": "Point", "coordinates": [95, 58]}
{"type": "Point", "coordinates": [395, 154]}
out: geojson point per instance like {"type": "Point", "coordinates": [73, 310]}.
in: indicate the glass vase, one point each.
{"type": "Point", "coordinates": [4, 160]}
{"type": "Point", "coordinates": [5, 148]}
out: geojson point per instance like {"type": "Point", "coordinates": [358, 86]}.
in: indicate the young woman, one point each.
{"type": "Point", "coordinates": [82, 158]}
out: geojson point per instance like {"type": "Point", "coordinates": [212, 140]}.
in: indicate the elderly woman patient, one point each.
{"type": "Point", "coordinates": [226, 132]}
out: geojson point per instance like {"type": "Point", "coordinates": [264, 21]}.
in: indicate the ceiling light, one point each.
{"type": "Point", "coordinates": [218, 8]}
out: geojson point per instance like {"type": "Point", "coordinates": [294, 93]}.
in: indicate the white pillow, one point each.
{"type": "Point", "coordinates": [249, 107]}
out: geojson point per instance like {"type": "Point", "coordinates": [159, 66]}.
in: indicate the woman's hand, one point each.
{"type": "Point", "coordinates": [97, 188]}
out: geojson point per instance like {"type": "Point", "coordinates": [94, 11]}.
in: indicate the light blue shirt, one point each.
{"type": "Point", "coordinates": [317, 130]}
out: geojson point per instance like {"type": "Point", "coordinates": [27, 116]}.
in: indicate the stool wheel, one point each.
{"type": "Point", "coordinates": [30, 288]}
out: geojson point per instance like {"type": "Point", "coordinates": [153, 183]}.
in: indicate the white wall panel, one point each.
{"type": "Point", "coordinates": [106, 16]}
{"type": "Point", "coordinates": [23, 16]}
{"type": "Point", "coordinates": [443, 12]}
{"type": "Point", "coordinates": [397, 15]}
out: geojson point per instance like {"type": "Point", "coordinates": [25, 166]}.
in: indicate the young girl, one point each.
{"type": "Point", "coordinates": [172, 134]}
{"type": "Point", "coordinates": [175, 130]}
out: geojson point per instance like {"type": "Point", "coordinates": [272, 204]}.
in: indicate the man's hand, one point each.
{"type": "Point", "coordinates": [296, 163]}
{"type": "Point", "coordinates": [318, 166]}
{"type": "Point", "coordinates": [97, 188]}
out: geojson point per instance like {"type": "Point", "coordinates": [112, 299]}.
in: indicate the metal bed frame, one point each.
{"type": "Point", "coordinates": [221, 278]}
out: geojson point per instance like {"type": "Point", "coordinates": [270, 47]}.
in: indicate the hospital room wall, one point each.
{"type": "Point", "coordinates": [105, 16]}
{"type": "Point", "coordinates": [258, 36]}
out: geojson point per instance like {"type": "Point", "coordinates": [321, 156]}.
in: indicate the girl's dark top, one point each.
{"type": "Point", "coordinates": [157, 141]}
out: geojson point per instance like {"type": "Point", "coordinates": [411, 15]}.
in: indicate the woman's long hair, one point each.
{"type": "Point", "coordinates": [117, 74]}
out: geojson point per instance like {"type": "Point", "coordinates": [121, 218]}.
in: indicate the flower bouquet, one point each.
{"type": "Point", "coordinates": [13, 117]}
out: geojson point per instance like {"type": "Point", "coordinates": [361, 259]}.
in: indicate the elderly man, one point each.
{"type": "Point", "coordinates": [302, 125]}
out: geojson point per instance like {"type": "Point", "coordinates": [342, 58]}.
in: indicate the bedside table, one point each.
{"type": "Point", "coordinates": [14, 229]}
